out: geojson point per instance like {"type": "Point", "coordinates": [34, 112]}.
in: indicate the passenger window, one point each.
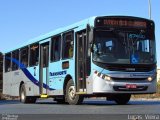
{"type": "Point", "coordinates": [15, 60]}
{"type": "Point", "coordinates": [55, 48]}
{"type": "Point", "coordinates": [143, 46]}
{"type": "Point", "coordinates": [24, 56]}
{"type": "Point", "coordinates": [8, 62]}
{"type": "Point", "coordinates": [68, 45]}
{"type": "Point", "coordinates": [34, 55]}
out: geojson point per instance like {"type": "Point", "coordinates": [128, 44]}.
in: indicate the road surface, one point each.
{"type": "Point", "coordinates": [91, 107]}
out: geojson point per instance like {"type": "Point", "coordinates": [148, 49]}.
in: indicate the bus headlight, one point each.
{"type": "Point", "coordinates": [103, 76]}
{"type": "Point", "coordinates": [107, 78]}
{"type": "Point", "coordinates": [149, 79]}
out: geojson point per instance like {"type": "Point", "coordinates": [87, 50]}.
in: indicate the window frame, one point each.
{"type": "Point", "coordinates": [17, 55]}
{"type": "Point", "coordinates": [63, 44]}
{"type": "Point", "coordinates": [21, 50]}
{"type": "Point", "coordinates": [32, 65]}
{"type": "Point", "coordinates": [6, 66]}
{"type": "Point", "coordinates": [52, 48]}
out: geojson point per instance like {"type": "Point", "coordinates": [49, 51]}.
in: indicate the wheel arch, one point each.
{"type": "Point", "coordinates": [67, 78]}
{"type": "Point", "coordinates": [21, 83]}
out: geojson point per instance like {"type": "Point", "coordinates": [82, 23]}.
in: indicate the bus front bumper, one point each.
{"type": "Point", "coordinates": [131, 86]}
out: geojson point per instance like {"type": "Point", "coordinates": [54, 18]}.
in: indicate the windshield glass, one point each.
{"type": "Point", "coordinates": [124, 47]}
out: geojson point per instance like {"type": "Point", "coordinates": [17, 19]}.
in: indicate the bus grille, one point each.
{"type": "Point", "coordinates": [123, 88]}
{"type": "Point", "coordinates": [131, 68]}
{"type": "Point", "coordinates": [128, 79]}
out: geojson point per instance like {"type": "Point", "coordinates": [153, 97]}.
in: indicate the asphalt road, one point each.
{"type": "Point", "coordinates": [90, 107]}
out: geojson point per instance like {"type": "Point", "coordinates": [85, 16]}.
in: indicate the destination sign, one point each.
{"type": "Point", "coordinates": [121, 22]}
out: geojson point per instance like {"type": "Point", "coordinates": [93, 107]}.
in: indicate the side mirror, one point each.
{"type": "Point", "coordinates": [91, 49]}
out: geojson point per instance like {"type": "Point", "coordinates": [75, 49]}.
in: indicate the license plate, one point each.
{"type": "Point", "coordinates": [131, 86]}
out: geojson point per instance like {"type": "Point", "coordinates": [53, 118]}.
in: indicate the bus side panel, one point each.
{"type": "Point", "coordinates": [57, 76]}
{"type": "Point", "coordinates": [15, 82]}
{"type": "Point", "coordinates": [13, 79]}
{"type": "Point", "coordinates": [11, 83]}
{"type": "Point", "coordinates": [7, 80]}
{"type": "Point", "coordinates": [33, 81]}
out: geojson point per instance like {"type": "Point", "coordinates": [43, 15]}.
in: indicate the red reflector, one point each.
{"type": "Point", "coordinates": [131, 86]}
{"type": "Point", "coordinates": [80, 79]}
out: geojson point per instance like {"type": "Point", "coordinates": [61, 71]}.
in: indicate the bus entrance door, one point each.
{"type": "Point", "coordinates": [44, 60]}
{"type": "Point", "coordinates": [81, 62]}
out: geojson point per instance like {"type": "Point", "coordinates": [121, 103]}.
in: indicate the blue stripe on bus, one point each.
{"type": "Point", "coordinates": [28, 74]}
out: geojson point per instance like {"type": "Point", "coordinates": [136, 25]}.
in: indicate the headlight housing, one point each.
{"type": "Point", "coordinates": [103, 76]}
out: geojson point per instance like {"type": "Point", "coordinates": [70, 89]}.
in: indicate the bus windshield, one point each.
{"type": "Point", "coordinates": [124, 47]}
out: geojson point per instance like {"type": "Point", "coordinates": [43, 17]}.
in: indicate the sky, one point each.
{"type": "Point", "coordinates": [21, 20]}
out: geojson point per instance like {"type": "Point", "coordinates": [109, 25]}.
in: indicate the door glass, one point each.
{"type": "Point", "coordinates": [45, 56]}
{"type": "Point", "coordinates": [80, 56]}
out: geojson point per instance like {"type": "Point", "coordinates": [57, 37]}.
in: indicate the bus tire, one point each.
{"type": "Point", "coordinates": [70, 94]}
{"type": "Point", "coordinates": [24, 98]}
{"type": "Point", "coordinates": [122, 99]}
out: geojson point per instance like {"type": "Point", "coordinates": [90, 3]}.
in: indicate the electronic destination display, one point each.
{"type": "Point", "coordinates": [121, 22]}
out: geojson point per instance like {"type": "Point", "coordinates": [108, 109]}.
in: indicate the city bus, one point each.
{"type": "Point", "coordinates": [102, 56]}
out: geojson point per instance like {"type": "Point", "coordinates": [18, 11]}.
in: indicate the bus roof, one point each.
{"type": "Point", "coordinates": [54, 32]}
{"type": "Point", "coordinates": [89, 21]}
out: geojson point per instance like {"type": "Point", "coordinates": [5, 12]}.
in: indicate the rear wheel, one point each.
{"type": "Point", "coordinates": [122, 99]}
{"type": "Point", "coordinates": [70, 94]}
{"type": "Point", "coordinates": [24, 98]}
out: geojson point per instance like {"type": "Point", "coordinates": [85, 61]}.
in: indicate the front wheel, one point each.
{"type": "Point", "coordinates": [70, 94]}
{"type": "Point", "coordinates": [122, 99]}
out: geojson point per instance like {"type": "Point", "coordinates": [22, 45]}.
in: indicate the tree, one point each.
{"type": "Point", "coordinates": [1, 62]}
{"type": "Point", "coordinates": [1, 70]}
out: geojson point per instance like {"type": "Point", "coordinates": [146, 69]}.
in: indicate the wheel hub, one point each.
{"type": "Point", "coordinates": [22, 96]}
{"type": "Point", "coordinates": [72, 92]}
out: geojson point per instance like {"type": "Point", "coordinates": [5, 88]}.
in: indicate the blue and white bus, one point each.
{"type": "Point", "coordinates": [102, 56]}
